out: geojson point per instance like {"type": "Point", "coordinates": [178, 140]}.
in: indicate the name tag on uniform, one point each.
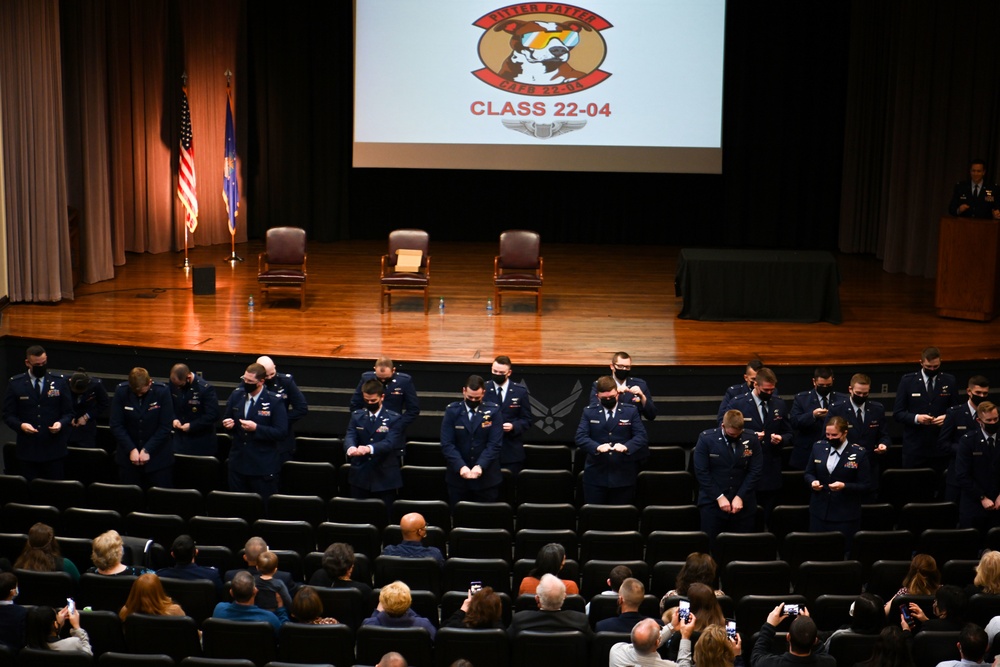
{"type": "Point", "coordinates": [977, 453]}
{"type": "Point", "coordinates": [459, 427]}
{"type": "Point", "coordinates": [129, 407]}
{"type": "Point", "coordinates": [915, 394]}
{"type": "Point", "coordinates": [961, 428]}
{"type": "Point", "coordinates": [713, 456]}
{"type": "Point", "coordinates": [592, 421]}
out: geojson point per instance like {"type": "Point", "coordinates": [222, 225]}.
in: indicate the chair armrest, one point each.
{"type": "Point", "coordinates": [496, 266]}
{"type": "Point", "coordinates": [262, 262]}
{"type": "Point", "coordinates": [540, 261]}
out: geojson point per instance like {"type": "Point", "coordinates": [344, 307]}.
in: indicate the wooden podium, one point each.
{"type": "Point", "coordinates": [968, 270]}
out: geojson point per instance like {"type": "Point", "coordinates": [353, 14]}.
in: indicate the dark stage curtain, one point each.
{"type": "Point", "coordinates": [923, 101]}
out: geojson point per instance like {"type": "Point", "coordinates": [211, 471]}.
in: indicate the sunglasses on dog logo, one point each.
{"type": "Point", "coordinates": [539, 40]}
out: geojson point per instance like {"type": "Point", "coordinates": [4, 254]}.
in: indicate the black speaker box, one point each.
{"type": "Point", "coordinates": [203, 278]}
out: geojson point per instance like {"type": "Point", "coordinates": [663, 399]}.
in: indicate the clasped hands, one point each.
{"type": "Point", "coordinates": [475, 472]}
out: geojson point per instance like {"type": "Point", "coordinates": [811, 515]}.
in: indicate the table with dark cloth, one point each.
{"type": "Point", "coordinates": [763, 285]}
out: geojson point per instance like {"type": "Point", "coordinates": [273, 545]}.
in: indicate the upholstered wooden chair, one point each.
{"type": "Point", "coordinates": [282, 265]}
{"type": "Point", "coordinates": [393, 280]}
{"type": "Point", "coordinates": [518, 267]}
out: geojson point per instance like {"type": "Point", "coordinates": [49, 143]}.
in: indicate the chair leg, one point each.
{"type": "Point", "coordinates": [496, 299]}
{"type": "Point", "coordinates": [381, 301]}
{"type": "Point", "coordinates": [427, 300]}
{"type": "Point", "coordinates": [538, 301]}
{"type": "Point", "coordinates": [302, 306]}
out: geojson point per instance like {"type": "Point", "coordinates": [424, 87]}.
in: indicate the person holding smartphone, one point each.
{"type": "Point", "coordinates": [803, 648]}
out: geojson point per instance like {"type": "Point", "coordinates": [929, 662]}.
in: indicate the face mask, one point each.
{"type": "Point", "coordinates": [39, 370]}
{"type": "Point", "coordinates": [823, 391]}
{"type": "Point", "coordinates": [250, 387]}
{"type": "Point", "coordinates": [270, 382]}
{"type": "Point", "coordinates": [621, 375]}
{"type": "Point", "coordinates": [932, 373]}
{"type": "Point", "coordinates": [834, 442]}
{"type": "Point", "coordinates": [991, 428]}
{"type": "Point", "coordinates": [373, 407]}
{"type": "Point", "coordinates": [499, 379]}
{"type": "Point", "coordinates": [765, 396]}
{"type": "Point", "coordinates": [610, 402]}
{"type": "Point", "coordinates": [976, 400]}
{"type": "Point", "coordinates": [859, 400]}
{"type": "Point", "coordinates": [473, 405]}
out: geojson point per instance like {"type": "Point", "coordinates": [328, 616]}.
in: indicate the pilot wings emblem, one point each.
{"type": "Point", "coordinates": [544, 130]}
{"type": "Point", "coordinates": [549, 419]}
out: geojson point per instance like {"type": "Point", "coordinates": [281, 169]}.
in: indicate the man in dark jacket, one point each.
{"type": "Point", "coordinates": [803, 651]}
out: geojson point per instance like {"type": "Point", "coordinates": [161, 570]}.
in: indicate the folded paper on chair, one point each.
{"type": "Point", "coordinates": [407, 260]}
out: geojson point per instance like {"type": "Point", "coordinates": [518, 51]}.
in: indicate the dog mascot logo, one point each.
{"type": "Point", "coordinates": [542, 49]}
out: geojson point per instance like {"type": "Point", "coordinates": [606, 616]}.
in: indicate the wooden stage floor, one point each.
{"type": "Point", "coordinates": [597, 299]}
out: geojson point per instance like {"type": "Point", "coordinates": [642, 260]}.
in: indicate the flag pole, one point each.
{"type": "Point", "coordinates": [231, 206]}
{"type": "Point", "coordinates": [187, 264]}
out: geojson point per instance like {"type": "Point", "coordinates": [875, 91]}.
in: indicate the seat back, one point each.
{"type": "Point", "coordinates": [102, 592]}
{"type": "Point", "coordinates": [176, 636]}
{"type": "Point", "coordinates": [408, 239]}
{"type": "Point", "coordinates": [285, 245]}
{"type": "Point", "coordinates": [249, 640]}
{"type": "Point", "coordinates": [519, 249]}
{"type": "Point", "coordinates": [304, 643]}
{"type": "Point", "coordinates": [538, 649]}
{"type": "Point", "coordinates": [48, 588]}
{"type": "Point", "coordinates": [486, 648]}
{"type": "Point", "coordinates": [347, 605]}
{"type": "Point", "coordinates": [413, 643]}
{"type": "Point", "coordinates": [197, 597]}
{"type": "Point", "coordinates": [851, 648]}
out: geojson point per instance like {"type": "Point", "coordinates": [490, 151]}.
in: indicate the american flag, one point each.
{"type": "Point", "coordinates": [187, 183]}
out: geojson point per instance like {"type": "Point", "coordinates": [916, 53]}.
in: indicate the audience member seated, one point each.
{"type": "Point", "coordinates": [392, 659]}
{"type": "Point", "coordinates": [550, 617]}
{"type": "Point", "coordinates": [106, 556]}
{"type": "Point", "coordinates": [972, 645]}
{"type": "Point", "coordinates": [148, 597]}
{"type": "Point", "coordinates": [647, 636]}
{"type": "Point", "coordinates": [716, 649]}
{"type": "Point", "coordinates": [987, 581]}
{"type": "Point", "coordinates": [41, 553]}
{"type": "Point", "coordinates": [184, 553]}
{"type": "Point", "coordinates": [337, 568]}
{"type": "Point", "coordinates": [803, 649]}
{"type": "Point", "coordinates": [242, 608]}
{"type": "Point", "coordinates": [11, 614]}
{"type": "Point", "coordinates": [393, 610]}
{"type": "Point", "coordinates": [698, 568]}
{"type": "Point", "coordinates": [267, 583]}
{"type": "Point", "coordinates": [308, 608]}
{"type": "Point", "coordinates": [948, 610]}
{"type": "Point", "coordinates": [42, 628]}
{"type": "Point", "coordinates": [867, 617]}
{"type": "Point", "coordinates": [630, 596]}
{"type": "Point", "coordinates": [550, 560]}
{"type": "Point", "coordinates": [706, 609]}
{"type": "Point", "coordinates": [923, 578]}
{"type": "Point", "coordinates": [414, 529]}
{"type": "Point", "coordinates": [254, 547]}
{"type": "Point", "coordinates": [891, 649]}
{"type": "Point", "coordinates": [618, 574]}
{"type": "Point", "coordinates": [480, 610]}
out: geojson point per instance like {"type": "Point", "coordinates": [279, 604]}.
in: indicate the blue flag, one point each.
{"type": "Point", "coordinates": [230, 185]}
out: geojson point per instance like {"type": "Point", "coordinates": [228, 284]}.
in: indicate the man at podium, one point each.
{"type": "Point", "coordinates": [974, 198]}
